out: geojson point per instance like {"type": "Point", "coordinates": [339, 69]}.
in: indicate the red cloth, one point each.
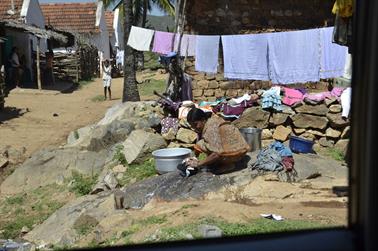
{"type": "Point", "coordinates": [288, 163]}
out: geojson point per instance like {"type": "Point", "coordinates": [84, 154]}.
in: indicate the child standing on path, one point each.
{"type": "Point", "coordinates": [107, 78]}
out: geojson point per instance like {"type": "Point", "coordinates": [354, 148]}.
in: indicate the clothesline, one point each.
{"type": "Point", "coordinates": [282, 57]}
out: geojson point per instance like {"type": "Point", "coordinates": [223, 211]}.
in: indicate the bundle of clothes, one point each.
{"type": "Point", "coordinates": [275, 157]}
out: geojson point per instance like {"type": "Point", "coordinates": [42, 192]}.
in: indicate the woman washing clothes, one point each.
{"type": "Point", "coordinates": [220, 141]}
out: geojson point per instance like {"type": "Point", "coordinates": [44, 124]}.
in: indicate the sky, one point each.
{"type": "Point", "coordinates": [155, 11]}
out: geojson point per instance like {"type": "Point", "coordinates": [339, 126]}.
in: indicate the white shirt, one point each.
{"type": "Point", "coordinates": [107, 72]}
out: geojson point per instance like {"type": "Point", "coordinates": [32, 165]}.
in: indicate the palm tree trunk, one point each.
{"type": "Point", "coordinates": [144, 22]}
{"type": "Point", "coordinates": [130, 88]}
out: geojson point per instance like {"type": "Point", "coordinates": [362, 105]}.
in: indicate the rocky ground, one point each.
{"type": "Point", "coordinates": [64, 196]}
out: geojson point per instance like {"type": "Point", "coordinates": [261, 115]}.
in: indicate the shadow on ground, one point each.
{"type": "Point", "coordinates": [9, 113]}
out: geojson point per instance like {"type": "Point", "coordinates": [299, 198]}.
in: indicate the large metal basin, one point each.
{"type": "Point", "coordinates": [166, 160]}
{"type": "Point", "coordinates": [253, 137]}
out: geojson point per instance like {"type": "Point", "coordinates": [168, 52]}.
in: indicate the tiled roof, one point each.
{"type": "Point", "coordinates": [109, 16]}
{"type": "Point", "coordinates": [6, 5]}
{"type": "Point", "coordinates": [71, 17]}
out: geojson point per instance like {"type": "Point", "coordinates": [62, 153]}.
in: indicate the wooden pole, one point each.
{"type": "Point", "coordinates": [38, 68]}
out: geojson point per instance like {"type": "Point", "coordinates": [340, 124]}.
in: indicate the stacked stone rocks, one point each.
{"type": "Point", "coordinates": [321, 123]}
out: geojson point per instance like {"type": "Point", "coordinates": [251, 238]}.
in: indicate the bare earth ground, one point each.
{"type": "Point", "coordinates": [38, 128]}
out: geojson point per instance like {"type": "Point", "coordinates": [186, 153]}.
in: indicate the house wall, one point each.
{"type": "Point", "coordinates": [223, 17]}
{"type": "Point", "coordinates": [32, 14]}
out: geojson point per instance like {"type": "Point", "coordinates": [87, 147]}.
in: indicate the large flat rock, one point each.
{"type": "Point", "coordinates": [253, 117]}
{"type": "Point", "coordinates": [49, 166]}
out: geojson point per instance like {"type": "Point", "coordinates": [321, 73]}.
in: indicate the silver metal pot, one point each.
{"type": "Point", "coordinates": [166, 160]}
{"type": "Point", "coordinates": [253, 137]}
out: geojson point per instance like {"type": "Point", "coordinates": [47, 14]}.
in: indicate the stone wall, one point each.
{"type": "Point", "coordinates": [208, 87]}
{"type": "Point", "coordinates": [321, 123]}
{"type": "Point", "coordinates": [220, 17]}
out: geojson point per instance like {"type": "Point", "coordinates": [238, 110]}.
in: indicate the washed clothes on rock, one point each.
{"type": "Point", "coordinates": [245, 57]}
{"type": "Point", "coordinates": [235, 110]}
{"type": "Point", "coordinates": [169, 123]}
{"type": "Point", "coordinates": [294, 56]}
{"type": "Point", "coordinates": [292, 96]}
{"type": "Point", "coordinates": [207, 49]}
{"type": "Point", "coordinates": [333, 56]}
{"type": "Point", "coordinates": [272, 99]}
{"type": "Point", "coordinates": [140, 38]}
{"type": "Point", "coordinates": [268, 160]}
{"type": "Point", "coordinates": [275, 157]}
{"type": "Point", "coordinates": [163, 42]}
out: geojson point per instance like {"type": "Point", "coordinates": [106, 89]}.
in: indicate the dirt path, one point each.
{"type": "Point", "coordinates": [38, 127]}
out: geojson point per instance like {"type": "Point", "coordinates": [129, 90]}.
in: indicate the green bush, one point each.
{"type": "Point", "coordinates": [138, 172]}
{"type": "Point", "coordinates": [120, 156]}
{"type": "Point", "coordinates": [82, 185]}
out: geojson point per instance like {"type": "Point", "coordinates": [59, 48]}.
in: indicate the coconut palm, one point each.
{"type": "Point", "coordinates": [133, 10]}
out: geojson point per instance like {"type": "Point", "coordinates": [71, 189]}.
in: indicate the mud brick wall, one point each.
{"type": "Point", "coordinates": [220, 17]}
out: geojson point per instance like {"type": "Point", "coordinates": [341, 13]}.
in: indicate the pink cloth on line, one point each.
{"type": "Point", "coordinates": [292, 96]}
{"type": "Point", "coordinates": [163, 42]}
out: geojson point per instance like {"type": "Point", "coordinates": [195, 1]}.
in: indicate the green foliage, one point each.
{"type": "Point", "coordinates": [98, 98]}
{"type": "Point", "coordinates": [154, 220]}
{"type": "Point", "coordinates": [151, 61]}
{"type": "Point", "coordinates": [147, 89]}
{"type": "Point", "coordinates": [202, 156]}
{"type": "Point", "coordinates": [259, 226]}
{"type": "Point", "coordinates": [120, 156]}
{"type": "Point", "coordinates": [256, 226]}
{"type": "Point", "coordinates": [27, 210]}
{"type": "Point", "coordinates": [82, 185]}
{"type": "Point", "coordinates": [76, 134]}
{"type": "Point", "coordinates": [189, 206]}
{"type": "Point", "coordinates": [12, 229]}
{"type": "Point", "coordinates": [137, 172]}
{"type": "Point", "coordinates": [336, 154]}
{"type": "Point", "coordinates": [15, 200]}
{"type": "Point", "coordinates": [84, 229]}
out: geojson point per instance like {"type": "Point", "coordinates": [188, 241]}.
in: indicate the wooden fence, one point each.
{"type": "Point", "coordinates": [80, 65]}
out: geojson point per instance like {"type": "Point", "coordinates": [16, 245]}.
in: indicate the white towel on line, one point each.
{"type": "Point", "coordinates": [187, 46]}
{"type": "Point", "coordinates": [294, 56]}
{"type": "Point", "coordinates": [333, 56]}
{"type": "Point", "coordinates": [140, 38]}
{"type": "Point", "coordinates": [246, 57]}
{"type": "Point", "coordinates": [207, 49]}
